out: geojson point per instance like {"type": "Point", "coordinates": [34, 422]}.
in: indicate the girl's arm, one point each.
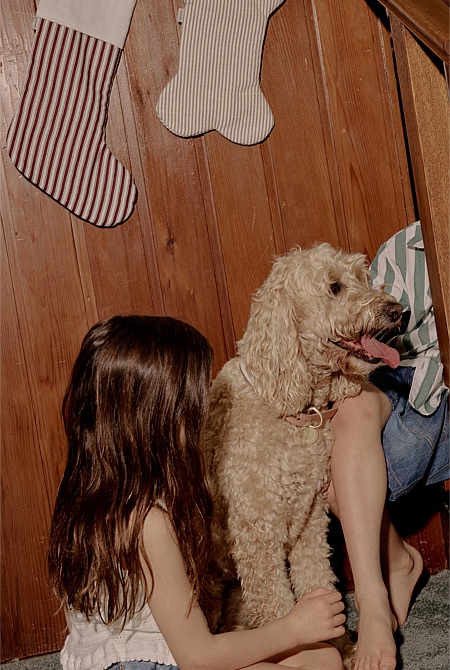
{"type": "Point", "coordinates": [317, 616]}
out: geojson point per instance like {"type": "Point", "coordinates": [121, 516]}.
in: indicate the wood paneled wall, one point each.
{"type": "Point", "coordinates": [210, 217]}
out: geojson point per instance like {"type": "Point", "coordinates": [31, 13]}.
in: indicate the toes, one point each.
{"type": "Point", "coordinates": [374, 662]}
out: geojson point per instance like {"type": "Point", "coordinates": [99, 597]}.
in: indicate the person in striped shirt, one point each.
{"type": "Point", "coordinates": [391, 438]}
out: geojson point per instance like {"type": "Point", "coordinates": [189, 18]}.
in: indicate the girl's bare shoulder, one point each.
{"type": "Point", "coordinates": [158, 528]}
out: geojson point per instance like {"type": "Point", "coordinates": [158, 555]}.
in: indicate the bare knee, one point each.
{"type": "Point", "coordinates": [331, 660]}
{"type": "Point", "coordinates": [336, 662]}
{"type": "Point", "coordinates": [367, 411]}
{"type": "Point", "coordinates": [320, 656]}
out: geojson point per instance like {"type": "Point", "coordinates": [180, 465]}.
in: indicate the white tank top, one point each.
{"type": "Point", "coordinates": [92, 645]}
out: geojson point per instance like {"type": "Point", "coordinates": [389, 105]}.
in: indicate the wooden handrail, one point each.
{"type": "Point", "coordinates": [428, 20]}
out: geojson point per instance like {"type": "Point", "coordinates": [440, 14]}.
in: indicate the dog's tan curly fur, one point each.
{"type": "Point", "coordinates": [269, 483]}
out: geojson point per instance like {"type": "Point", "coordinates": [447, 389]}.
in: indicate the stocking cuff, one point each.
{"type": "Point", "coordinates": [106, 20]}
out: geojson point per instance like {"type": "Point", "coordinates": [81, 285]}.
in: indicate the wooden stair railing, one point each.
{"type": "Point", "coordinates": [428, 20]}
{"type": "Point", "coordinates": [421, 41]}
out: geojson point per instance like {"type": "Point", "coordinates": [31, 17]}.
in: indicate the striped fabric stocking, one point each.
{"type": "Point", "coordinates": [217, 86]}
{"type": "Point", "coordinates": [57, 136]}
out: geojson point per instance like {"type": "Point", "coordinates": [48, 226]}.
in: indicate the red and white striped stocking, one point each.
{"type": "Point", "coordinates": [57, 136]}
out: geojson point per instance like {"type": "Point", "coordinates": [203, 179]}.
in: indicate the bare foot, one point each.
{"type": "Point", "coordinates": [376, 648]}
{"type": "Point", "coordinates": [401, 581]}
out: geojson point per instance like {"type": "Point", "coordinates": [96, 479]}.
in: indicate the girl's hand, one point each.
{"type": "Point", "coordinates": [318, 616]}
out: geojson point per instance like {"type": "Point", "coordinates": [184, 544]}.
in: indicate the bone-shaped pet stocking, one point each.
{"type": "Point", "coordinates": [217, 86]}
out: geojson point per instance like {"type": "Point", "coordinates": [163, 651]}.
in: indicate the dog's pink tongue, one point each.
{"type": "Point", "coordinates": [379, 350]}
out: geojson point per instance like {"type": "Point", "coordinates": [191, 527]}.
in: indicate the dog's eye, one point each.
{"type": "Point", "coordinates": [335, 287]}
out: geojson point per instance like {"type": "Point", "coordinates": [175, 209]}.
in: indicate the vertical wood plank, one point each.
{"type": "Point", "coordinates": [302, 153]}
{"type": "Point", "coordinates": [360, 117]}
{"type": "Point", "coordinates": [176, 218]}
{"type": "Point", "coordinates": [117, 259]}
{"type": "Point", "coordinates": [216, 252]}
{"type": "Point", "coordinates": [25, 494]}
{"type": "Point", "coordinates": [243, 219]}
{"type": "Point", "coordinates": [426, 107]}
{"type": "Point", "coordinates": [43, 320]}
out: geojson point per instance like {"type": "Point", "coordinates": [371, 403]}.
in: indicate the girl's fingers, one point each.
{"type": "Point", "coordinates": [321, 591]}
{"type": "Point", "coordinates": [337, 632]}
{"type": "Point", "coordinates": [340, 619]}
{"type": "Point", "coordinates": [334, 596]}
{"type": "Point", "coordinates": [338, 607]}
{"type": "Point", "coordinates": [328, 594]}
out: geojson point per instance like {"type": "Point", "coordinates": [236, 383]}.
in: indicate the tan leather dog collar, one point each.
{"type": "Point", "coordinates": [313, 417]}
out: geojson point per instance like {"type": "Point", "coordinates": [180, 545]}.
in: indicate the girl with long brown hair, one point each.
{"type": "Point", "coordinates": [131, 530]}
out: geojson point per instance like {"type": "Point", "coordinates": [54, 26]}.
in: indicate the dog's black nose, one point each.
{"type": "Point", "coordinates": [406, 315]}
{"type": "Point", "coordinates": [393, 311]}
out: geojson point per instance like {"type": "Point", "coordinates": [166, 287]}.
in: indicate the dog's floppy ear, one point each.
{"type": "Point", "coordinates": [271, 347]}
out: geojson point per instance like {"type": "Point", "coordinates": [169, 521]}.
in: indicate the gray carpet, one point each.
{"type": "Point", "coordinates": [424, 640]}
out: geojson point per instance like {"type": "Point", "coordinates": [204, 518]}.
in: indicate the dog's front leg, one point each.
{"type": "Point", "coordinates": [261, 565]}
{"type": "Point", "coordinates": [310, 567]}
{"type": "Point", "coordinates": [309, 558]}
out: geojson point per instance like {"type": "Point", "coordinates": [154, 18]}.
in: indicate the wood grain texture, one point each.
{"type": "Point", "coordinates": [365, 134]}
{"type": "Point", "coordinates": [302, 159]}
{"type": "Point", "coordinates": [209, 220]}
{"type": "Point", "coordinates": [173, 218]}
{"type": "Point", "coordinates": [26, 491]}
{"type": "Point", "coordinates": [426, 109]}
{"type": "Point", "coordinates": [429, 20]}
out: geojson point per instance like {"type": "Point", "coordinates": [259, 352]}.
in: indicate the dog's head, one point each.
{"type": "Point", "coordinates": [314, 325]}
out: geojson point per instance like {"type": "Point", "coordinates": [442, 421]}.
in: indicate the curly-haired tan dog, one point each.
{"type": "Point", "coordinates": [307, 346]}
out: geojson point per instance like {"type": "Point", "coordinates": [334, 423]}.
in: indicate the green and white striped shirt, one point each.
{"type": "Point", "coordinates": [400, 267]}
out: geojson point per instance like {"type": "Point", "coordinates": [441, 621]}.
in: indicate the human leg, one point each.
{"type": "Point", "coordinates": [402, 565]}
{"type": "Point", "coordinates": [321, 656]}
{"type": "Point", "coordinates": [359, 490]}
{"type": "Point", "coordinates": [416, 450]}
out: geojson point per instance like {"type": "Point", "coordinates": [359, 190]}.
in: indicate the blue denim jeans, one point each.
{"type": "Point", "coordinates": [140, 665]}
{"type": "Point", "coordinates": [416, 447]}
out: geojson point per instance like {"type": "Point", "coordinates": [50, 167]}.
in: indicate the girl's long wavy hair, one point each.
{"type": "Point", "coordinates": [134, 413]}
